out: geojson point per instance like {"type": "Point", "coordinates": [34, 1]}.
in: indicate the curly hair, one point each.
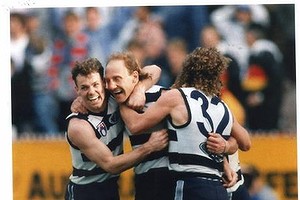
{"type": "Point", "coordinates": [131, 63]}
{"type": "Point", "coordinates": [202, 69]}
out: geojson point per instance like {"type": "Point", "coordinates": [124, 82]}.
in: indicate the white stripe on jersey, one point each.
{"type": "Point", "coordinates": [161, 162]}
{"type": "Point", "coordinates": [207, 114]}
{"type": "Point", "coordinates": [100, 122]}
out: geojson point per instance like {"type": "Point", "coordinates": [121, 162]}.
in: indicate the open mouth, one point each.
{"type": "Point", "coordinates": [117, 92]}
{"type": "Point", "coordinates": [93, 98]}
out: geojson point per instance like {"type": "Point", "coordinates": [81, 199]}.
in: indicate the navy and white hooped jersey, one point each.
{"type": "Point", "coordinates": [109, 128]}
{"type": "Point", "coordinates": [157, 159]}
{"type": "Point", "coordinates": [187, 147]}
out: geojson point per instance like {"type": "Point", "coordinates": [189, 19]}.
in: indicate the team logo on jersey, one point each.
{"type": "Point", "coordinates": [102, 129]}
{"type": "Point", "coordinates": [216, 157]}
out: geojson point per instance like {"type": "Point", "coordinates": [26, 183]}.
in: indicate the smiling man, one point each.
{"type": "Point", "coordinates": [96, 138]}
{"type": "Point", "coordinates": [153, 179]}
{"type": "Point", "coordinates": [193, 111]}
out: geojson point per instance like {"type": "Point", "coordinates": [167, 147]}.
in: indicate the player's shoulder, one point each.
{"type": "Point", "coordinates": [79, 128]}
{"type": "Point", "coordinates": [76, 122]}
{"type": "Point", "coordinates": [171, 95]}
{"type": "Point", "coordinates": [156, 88]}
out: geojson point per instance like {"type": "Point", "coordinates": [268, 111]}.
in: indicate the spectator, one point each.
{"type": "Point", "coordinates": [99, 35]}
{"type": "Point", "coordinates": [258, 189]}
{"type": "Point", "coordinates": [263, 82]}
{"type": "Point", "coordinates": [176, 52]}
{"type": "Point", "coordinates": [56, 16]}
{"type": "Point", "coordinates": [137, 49]}
{"type": "Point", "coordinates": [153, 37]}
{"type": "Point", "coordinates": [116, 18]}
{"type": "Point", "coordinates": [176, 20]}
{"type": "Point", "coordinates": [69, 47]}
{"type": "Point", "coordinates": [231, 22]}
{"type": "Point", "coordinates": [38, 57]}
{"type": "Point", "coordinates": [21, 93]}
{"type": "Point", "coordinates": [141, 15]}
{"type": "Point", "coordinates": [282, 32]}
{"type": "Point", "coordinates": [19, 40]}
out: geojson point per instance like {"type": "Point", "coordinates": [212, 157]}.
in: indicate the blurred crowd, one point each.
{"type": "Point", "coordinates": [259, 84]}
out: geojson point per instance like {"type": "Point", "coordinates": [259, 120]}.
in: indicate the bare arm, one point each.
{"type": "Point", "coordinates": [138, 123]}
{"type": "Point", "coordinates": [239, 139]}
{"type": "Point", "coordinates": [154, 73]}
{"type": "Point", "coordinates": [137, 99]}
{"type": "Point", "coordinates": [241, 135]}
{"type": "Point", "coordinates": [82, 135]}
{"type": "Point", "coordinates": [217, 144]}
{"type": "Point", "coordinates": [230, 177]}
{"type": "Point", "coordinates": [77, 106]}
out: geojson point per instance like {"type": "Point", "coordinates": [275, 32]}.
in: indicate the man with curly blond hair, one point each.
{"type": "Point", "coordinates": [194, 110]}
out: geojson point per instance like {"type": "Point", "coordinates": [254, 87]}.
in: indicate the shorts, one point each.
{"type": "Point", "coordinates": [241, 193]}
{"type": "Point", "coordinates": [107, 190]}
{"type": "Point", "coordinates": [199, 188]}
{"type": "Point", "coordinates": [156, 184]}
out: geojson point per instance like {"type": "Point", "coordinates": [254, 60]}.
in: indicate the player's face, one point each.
{"type": "Point", "coordinates": [91, 89]}
{"type": "Point", "coordinates": [118, 80]}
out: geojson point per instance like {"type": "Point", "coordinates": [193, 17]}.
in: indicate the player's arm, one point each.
{"type": "Point", "coordinates": [140, 122]}
{"type": "Point", "coordinates": [154, 72]}
{"type": "Point", "coordinates": [217, 144]}
{"type": "Point", "coordinates": [77, 106]}
{"type": "Point", "coordinates": [137, 99]}
{"type": "Point", "coordinates": [241, 135]}
{"type": "Point", "coordinates": [239, 139]}
{"type": "Point", "coordinates": [82, 135]}
{"type": "Point", "coordinates": [230, 177]}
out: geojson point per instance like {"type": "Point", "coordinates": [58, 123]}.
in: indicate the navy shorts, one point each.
{"type": "Point", "coordinates": [241, 193]}
{"type": "Point", "coordinates": [107, 190]}
{"type": "Point", "coordinates": [156, 184]}
{"type": "Point", "coordinates": [199, 188]}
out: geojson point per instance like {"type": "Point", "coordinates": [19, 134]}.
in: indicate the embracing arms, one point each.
{"type": "Point", "coordinates": [82, 135]}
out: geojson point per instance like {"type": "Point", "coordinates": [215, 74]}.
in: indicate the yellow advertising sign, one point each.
{"type": "Point", "coordinates": [41, 168]}
{"type": "Point", "coordinates": [276, 158]}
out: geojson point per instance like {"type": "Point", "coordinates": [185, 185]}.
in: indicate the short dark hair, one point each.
{"type": "Point", "coordinates": [87, 67]}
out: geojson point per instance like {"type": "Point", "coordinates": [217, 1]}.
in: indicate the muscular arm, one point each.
{"type": "Point", "coordinates": [167, 103]}
{"type": "Point", "coordinates": [239, 139]}
{"type": "Point", "coordinates": [217, 144]}
{"type": "Point", "coordinates": [154, 75]}
{"type": "Point", "coordinates": [82, 135]}
{"type": "Point", "coordinates": [137, 99]}
{"type": "Point", "coordinates": [241, 135]}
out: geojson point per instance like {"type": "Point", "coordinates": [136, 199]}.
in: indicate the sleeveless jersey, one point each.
{"type": "Point", "coordinates": [109, 128]}
{"type": "Point", "coordinates": [187, 148]}
{"type": "Point", "coordinates": [157, 159]}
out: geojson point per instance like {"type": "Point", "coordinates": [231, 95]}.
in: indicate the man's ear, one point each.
{"type": "Point", "coordinates": [104, 83]}
{"type": "Point", "coordinates": [135, 75]}
{"type": "Point", "coordinates": [76, 88]}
